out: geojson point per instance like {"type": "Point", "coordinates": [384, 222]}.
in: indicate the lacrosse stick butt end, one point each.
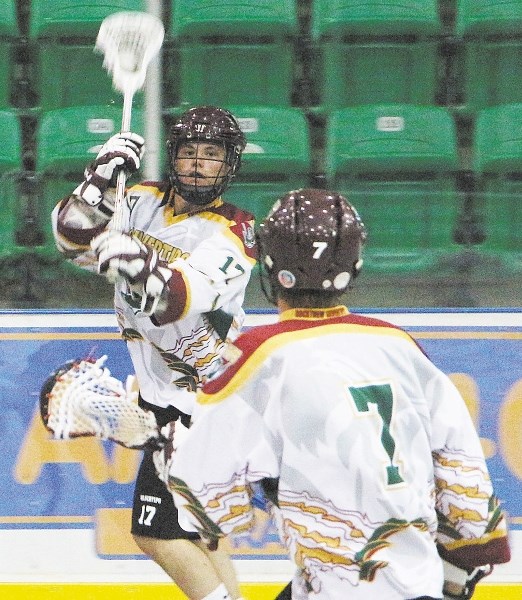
{"type": "Point", "coordinates": [112, 276]}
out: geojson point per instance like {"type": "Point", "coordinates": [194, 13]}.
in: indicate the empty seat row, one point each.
{"type": "Point", "coordinates": [397, 163]}
{"type": "Point", "coordinates": [66, 71]}
{"type": "Point", "coordinates": [241, 51]}
{"type": "Point", "coordinates": [254, 52]}
{"type": "Point", "coordinates": [393, 51]}
{"type": "Point", "coordinates": [251, 48]}
{"type": "Point", "coordinates": [375, 52]}
{"type": "Point", "coordinates": [273, 17]}
{"type": "Point", "coordinates": [498, 162]}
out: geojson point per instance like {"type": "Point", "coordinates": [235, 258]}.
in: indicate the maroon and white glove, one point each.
{"type": "Point", "coordinates": [459, 584]}
{"type": "Point", "coordinates": [137, 264]}
{"type": "Point", "coordinates": [121, 151]}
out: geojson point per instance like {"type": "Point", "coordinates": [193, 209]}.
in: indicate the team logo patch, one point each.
{"type": "Point", "coordinates": [248, 235]}
{"type": "Point", "coordinates": [286, 279]}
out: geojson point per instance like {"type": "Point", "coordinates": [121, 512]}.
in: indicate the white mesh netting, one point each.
{"type": "Point", "coordinates": [129, 41]}
{"type": "Point", "coordinates": [87, 400]}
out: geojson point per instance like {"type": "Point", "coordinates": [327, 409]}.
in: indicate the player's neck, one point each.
{"type": "Point", "coordinates": [282, 305]}
{"type": "Point", "coordinates": [182, 207]}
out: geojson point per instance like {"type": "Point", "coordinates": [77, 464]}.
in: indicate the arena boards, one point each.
{"type": "Point", "coordinates": [64, 505]}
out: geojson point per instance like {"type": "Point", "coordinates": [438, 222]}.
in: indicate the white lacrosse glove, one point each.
{"type": "Point", "coordinates": [137, 264]}
{"type": "Point", "coordinates": [121, 151]}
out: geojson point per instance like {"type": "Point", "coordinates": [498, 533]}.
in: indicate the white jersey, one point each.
{"type": "Point", "coordinates": [375, 453]}
{"type": "Point", "coordinates": [211, 253]}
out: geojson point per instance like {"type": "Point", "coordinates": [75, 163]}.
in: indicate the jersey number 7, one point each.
{"type": "Point", "coordinates": [382, 396]}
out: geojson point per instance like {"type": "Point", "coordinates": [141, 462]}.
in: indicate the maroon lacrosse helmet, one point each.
{"type": "Point", "coordinates": [312, 239]}
{"type": "Point", "coordinates": [210, 125]}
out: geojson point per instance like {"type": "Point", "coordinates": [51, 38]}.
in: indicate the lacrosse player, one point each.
{"type": "Point", "coordinates": [182, 267]}
{"type": "Point", "coordinates": [366, 449]}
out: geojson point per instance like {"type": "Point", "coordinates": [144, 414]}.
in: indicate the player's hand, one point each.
{"type": "Point", "coordinates": [138, 264]}
{"type": "Point", "coordinates": [121, 151]}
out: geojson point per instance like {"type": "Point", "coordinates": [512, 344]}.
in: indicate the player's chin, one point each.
{"type": "Point", "coordinates": [201, 183]}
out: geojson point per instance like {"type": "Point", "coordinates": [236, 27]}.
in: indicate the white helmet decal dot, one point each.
{"type": "Point", "coordinates": [341, 280]}
{"type": "Point", "coordinates": [286, 279]}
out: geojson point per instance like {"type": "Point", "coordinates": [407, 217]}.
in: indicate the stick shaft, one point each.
{"type": "Point", "coordinates": [117, 223]}
{"type": "Point", "coordinates": [117, 219]}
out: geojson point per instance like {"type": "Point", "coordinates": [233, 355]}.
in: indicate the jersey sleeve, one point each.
{"type": "Point", "coordinates": [72, 237]}
{"type": "Point", "coordinates": [216, 273]}
{"type": "Point", "coordinates": [472, 527]}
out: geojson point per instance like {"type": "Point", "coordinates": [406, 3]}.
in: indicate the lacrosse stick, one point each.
{"type": "Point", "coordinates": [81, 398]}
{"type": "Point", "coordinates": [128, 41]}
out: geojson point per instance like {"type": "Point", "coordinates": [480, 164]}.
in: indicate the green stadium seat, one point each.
{"type": "Point", "coordinates": [489, 69]}
{"type": "Point", "coordinates": [232, 52]}
{"type": "Point", "coordinates": [8, 19]}
{"type": "Point", "coordinates": [498, 165]}
{"type": "Point", "coordinates": [10, 166]}
{"type": "Point", "coordinates": [397, 164]}
{"type": "Point", "coordinates": [488, 17]}
{"type": "Point", "coordinates": [276, 159]}
{"type": "Point", "coordinates": [67, 71]}
{"type": "Point", "coordinates": [9, 32]}
{"type": "Point", "coordinates": [67, 140]}
{"type": "Point", "coordinates": [70, 18]}
{"type": "Point", "coordinates": [379, 51]}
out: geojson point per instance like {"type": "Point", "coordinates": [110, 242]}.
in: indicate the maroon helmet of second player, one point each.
{"type": "Point", "coordinates": [312, 239]}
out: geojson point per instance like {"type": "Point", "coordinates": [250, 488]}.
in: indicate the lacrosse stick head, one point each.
{"type": "Point", "coordinates": [129, 41]}
{"type": "Point", "coordinates": [81, 398]}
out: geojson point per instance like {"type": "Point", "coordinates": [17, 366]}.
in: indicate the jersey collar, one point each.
{"type": "Point", "coordinates": [314, 314]}
{"type": "Point", "coordinates": [171, 218]}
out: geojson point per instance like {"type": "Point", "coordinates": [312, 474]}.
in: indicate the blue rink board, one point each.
{"type": "Point", "coordinates": [60, 495]}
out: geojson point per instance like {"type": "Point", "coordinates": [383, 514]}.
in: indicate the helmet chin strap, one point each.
{"type": "Point", "coordinates": [267, 285]}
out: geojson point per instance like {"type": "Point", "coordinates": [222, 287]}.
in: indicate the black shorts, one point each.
{"type": "Point", "coordinates": [154, 513]}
